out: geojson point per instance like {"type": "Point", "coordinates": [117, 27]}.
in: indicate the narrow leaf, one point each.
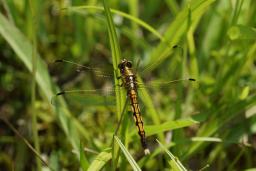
{"type": "Point", "coordinates": [170, 125]}
{"type": "Point", "coordinates": [127, 155]}
{"type": "Point", "coordinates": [101, 160]}
{"type": "Point", "coordinates": [174, 160]}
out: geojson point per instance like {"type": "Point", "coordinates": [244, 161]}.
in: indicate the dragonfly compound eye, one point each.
{"type": "Point", "coordinates": [129, 64]}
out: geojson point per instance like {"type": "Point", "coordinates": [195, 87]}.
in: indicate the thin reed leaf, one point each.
{"type": "Point", "coordinates": [83, 161]}
{"type": "Point", "coordinates": [175, 163]}
{"type": "Point", "coordinates": [169, 125]}
{"type": "Point", "coordinates": [33, 12]}
{"type": "Point", "coordinates": [127, 155]}
{"type": "Point", "coordinates": [100, 161]}
{"type": "Point", "coordinates": [116, 57]}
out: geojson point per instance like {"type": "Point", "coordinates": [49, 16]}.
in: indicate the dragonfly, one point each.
{"type": "Point", "coordinates": [129, 82]}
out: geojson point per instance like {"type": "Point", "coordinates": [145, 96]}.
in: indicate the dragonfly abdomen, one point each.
{"type": "Point", "coordinates": [138, 118]}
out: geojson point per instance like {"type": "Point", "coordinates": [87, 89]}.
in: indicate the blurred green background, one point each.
{"type": "Point", "coordinates": [210, 123]}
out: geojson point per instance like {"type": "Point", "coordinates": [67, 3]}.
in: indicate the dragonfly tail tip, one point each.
{"type": "Point", "coordinates": [146, 151]}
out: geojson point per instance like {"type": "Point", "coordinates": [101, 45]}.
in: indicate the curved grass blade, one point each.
{"type": "Point", "coordinates": [116, 57]}
{"type": "Point", "coordinates": [175, 163]}
{"type": "Point", "coordinates": [83, 161]}
{"type": "Point", "coordinates": [208, 139]}
{"type": "Point", "coordinates": [34, 15]}
{"type": "Point", "coordinates": [100, 161]}
{"type": "Point", "coordinates": [170, 125]}
{"type": "Point", "coordinates": [127, 155]}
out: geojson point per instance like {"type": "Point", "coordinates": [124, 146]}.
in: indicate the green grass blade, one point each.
{"type": "Point", "coordinates": [238, 7]}
{"type": "Point", "coordinates": [134, 11]}
{"type": "Point", "coordinates": [127, 155]}
{"type": "Point", "coordinates": [100, 161]}
{"type": "Point", "coordinates": [207, 139]}
{"type": "Point", "coordinates": [169, 125]}
{"type": "Point", "coordinates": [175, 163]}
{"type": "Point", "coordinates": [174, 8]}
{"type": "Point", "coordinates": [116, 57]}
{"type": "Point", "coordinates": [33, 14]}
{"type": "Point", "coordinates": [251, 169]}
{"type": "Point", "coordinates": [6, 9]}
{"type": "Point", "coordinates": [83, 161]}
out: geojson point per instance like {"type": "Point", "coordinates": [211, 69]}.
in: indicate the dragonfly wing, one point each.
{"type": "Point", "coordinates": [94, 97]}
{"type": "Point", "coordinates": [83, 68]}
{"type": "Point", "coordinates": [162, 84]}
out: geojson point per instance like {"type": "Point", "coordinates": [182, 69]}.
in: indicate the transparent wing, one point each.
{"type": "Point", "coordinates": [93, 97]}
{"type": "Point", "coordinates": [162, 84]}
{"type": "Point", "coordinates": [83, 68]}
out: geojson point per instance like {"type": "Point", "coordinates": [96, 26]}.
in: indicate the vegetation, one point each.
{"type": "Point", "coordinates": [209, 124]}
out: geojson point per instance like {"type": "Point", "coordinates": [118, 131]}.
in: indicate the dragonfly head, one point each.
{"type": "Point", "coordinates": [125, 64]}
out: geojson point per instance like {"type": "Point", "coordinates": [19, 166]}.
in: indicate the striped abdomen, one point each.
{"type": "Point", "coordinates": [138, 118]}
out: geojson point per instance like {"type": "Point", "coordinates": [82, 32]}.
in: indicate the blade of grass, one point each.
{"type": "Point", "coordinates": [169, 125]}
{"type": "Point", "coordinates": [7, 11]}
{"type": "Point", "coordinates": [127, 155]}
{"type": "Point", "coordinates": [116, 56]}
{"type": "Point", "coordinates": [232, 165]}
{"type": "Point", "coordinates": [83, 161]}
{"type": "Point", "coordinates": [175, 163]}
{"type": "Point", "coordinates": [33, 12]}
{"type": "Point", "coordinates": [209, 139]}
{"type": "Point", "coordinates": [238, 7]}
{"type": "Point", "coordinates": [174, 8]}
{"type": "Point", "coordinates": [133, 8]}
{"type": "Point", "coordinates": [191, 43]}
{"type": "Point", "coordinates": [100, 160]}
